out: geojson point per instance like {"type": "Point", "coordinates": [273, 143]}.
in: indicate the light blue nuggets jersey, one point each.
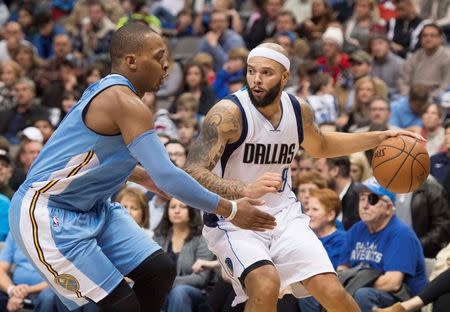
{"type": "Point", "coordinates": [78, 168]}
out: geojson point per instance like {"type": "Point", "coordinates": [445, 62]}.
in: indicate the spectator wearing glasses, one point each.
{"type": "Point", "coordinates": [177, 152]}
{"type": "Point", "coordinates": [376, 242]}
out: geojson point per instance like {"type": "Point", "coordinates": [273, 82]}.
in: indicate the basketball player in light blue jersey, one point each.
{"type": "Point", "coordinates": [80, 242]}
{"type": "Point", "coordinates": [251, 136]}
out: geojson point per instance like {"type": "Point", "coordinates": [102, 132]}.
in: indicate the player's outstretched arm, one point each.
{"type": "Point", "coordinates": [333, 144]}
{"type": "Point", "coordinates": [222, 125]}
{"type": "Point", "coordinates": [134, 121]}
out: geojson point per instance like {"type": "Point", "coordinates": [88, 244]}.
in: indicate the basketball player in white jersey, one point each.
{"type": "Point", "coordinates": [247, 143]}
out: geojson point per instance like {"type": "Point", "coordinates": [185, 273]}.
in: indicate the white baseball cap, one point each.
{"type": "Point", "coordinates": [334, 34]}
{"type": "Point", "coordinates": [32, 134]}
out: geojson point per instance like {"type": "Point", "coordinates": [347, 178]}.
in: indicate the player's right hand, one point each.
{"type": "Point", "coordinates": [269, 182]}
{"type": "Point", "coordinates": [251, 218]}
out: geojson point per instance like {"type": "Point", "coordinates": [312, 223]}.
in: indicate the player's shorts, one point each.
{"type": "Point", "coordinates": [292, 247]}
{"type": "Point", "coordinates": [82, 255]}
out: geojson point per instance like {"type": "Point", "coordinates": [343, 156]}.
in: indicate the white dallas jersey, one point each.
{"type": "Point", "coordinates": [264, 148]}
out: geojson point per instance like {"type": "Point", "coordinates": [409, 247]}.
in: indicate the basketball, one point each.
{"type": "Point", "coordinates": [401, 164]}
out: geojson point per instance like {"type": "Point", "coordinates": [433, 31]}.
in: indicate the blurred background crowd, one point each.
{"type": "Point", "coordinates": [363, 65]}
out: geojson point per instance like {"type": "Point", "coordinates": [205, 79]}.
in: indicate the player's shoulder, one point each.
{"type": "Point", "coordinates": [118, 98]}
{"type": "Point", "coordinates": [224, 117]}
{"type": "Point", "coordinates": [225, 107]}
{"type": "Point", "coordinates": [305, 108]}
{"type": "Point", "coordinates": [120, 94]}
{"type": "Point", "coordinates": [298, 99]}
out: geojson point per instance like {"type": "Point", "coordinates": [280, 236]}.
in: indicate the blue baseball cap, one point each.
{"type": "Point", "coordinates": [374, 187]}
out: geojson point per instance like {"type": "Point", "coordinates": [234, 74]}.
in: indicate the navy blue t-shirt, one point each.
{"type": "Point", "coordinates": [440, 166]}
{"type": "Point", "coordinates": [334, 245]}
{"type": "Point", "coordinates": [394, 248]}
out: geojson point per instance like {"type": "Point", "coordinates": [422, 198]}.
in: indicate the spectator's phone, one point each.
{"type": "Point", "coordinates": [28, 304]}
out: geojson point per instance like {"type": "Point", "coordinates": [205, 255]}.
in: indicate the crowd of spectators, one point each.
{"type": "Point", "coordinates": [363, 65]}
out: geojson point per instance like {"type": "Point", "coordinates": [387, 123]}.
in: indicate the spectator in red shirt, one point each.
{"type": "Point", "coordinates": [333, 61]}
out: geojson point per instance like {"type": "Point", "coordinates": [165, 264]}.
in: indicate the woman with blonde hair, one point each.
{"type": "Point", "coordinates": [10, 72]}
{"type": "Point", "coordinates": [366, 88]}
{"type": "Point", "coordinates": [359, 167]}
{"type": "Point", "coordinates": [136, 203]}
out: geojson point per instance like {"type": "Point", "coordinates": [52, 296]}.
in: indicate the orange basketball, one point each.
{"type": "Point", "coordinates": [401, 164]}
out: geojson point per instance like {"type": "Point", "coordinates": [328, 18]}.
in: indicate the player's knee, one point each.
{"type": "Point", "coordinates": [263, 284]}
{"type": "Point", "coordinates": [157, 266]}
{"type": "Point", "coordinates": [333, 288]}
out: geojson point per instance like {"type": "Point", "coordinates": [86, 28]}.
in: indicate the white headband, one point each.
{"type": "Point", "coordinates": [270, 54]}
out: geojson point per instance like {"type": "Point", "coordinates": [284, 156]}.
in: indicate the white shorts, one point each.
{"type": "Point", "coordinates": [292, 247]}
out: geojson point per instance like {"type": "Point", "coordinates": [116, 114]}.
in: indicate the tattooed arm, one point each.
{"type": "Point", "coordinates": [222, 126]}
{"type": "Point", "coordinates": [333, 144]}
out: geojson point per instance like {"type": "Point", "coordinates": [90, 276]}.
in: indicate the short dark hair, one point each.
{"type": "Point", "coordinates": [96, 2]}
{"type": "Point", "coordinates": [439, 108]}
{"type": "Point", "coordinates": [382, 99]}
{"type": "Point", "coordinates": [129, 38]}
{"type": "Point", "coordinates": [447, 124]}
{"type": "Point", "coordinates": [288, 13]}
{"type": "Point", "coordinates": [342, 162]}
{"type": "Point", "coordinates": [419, 93]}
{"type": "Point", "coordinates": [318, 81]}
{"type": "Point", "coordinates": [42, 18]}
{"type": "Point", "coordinates": [432, 25]}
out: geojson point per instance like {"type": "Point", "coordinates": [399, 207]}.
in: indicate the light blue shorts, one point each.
{"type": "Point", "coordinates": [82, 255]}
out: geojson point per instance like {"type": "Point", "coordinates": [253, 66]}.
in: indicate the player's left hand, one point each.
{"type": "Point", "coordinates": [249, 217]}
{"type": "Point", "coordinates": [393, 133]}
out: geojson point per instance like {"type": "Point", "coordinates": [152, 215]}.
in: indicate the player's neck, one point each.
{"type": "Point", "coordinates": [140, 93]}
{"type": "Point", "coordinates": [272, 112]}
